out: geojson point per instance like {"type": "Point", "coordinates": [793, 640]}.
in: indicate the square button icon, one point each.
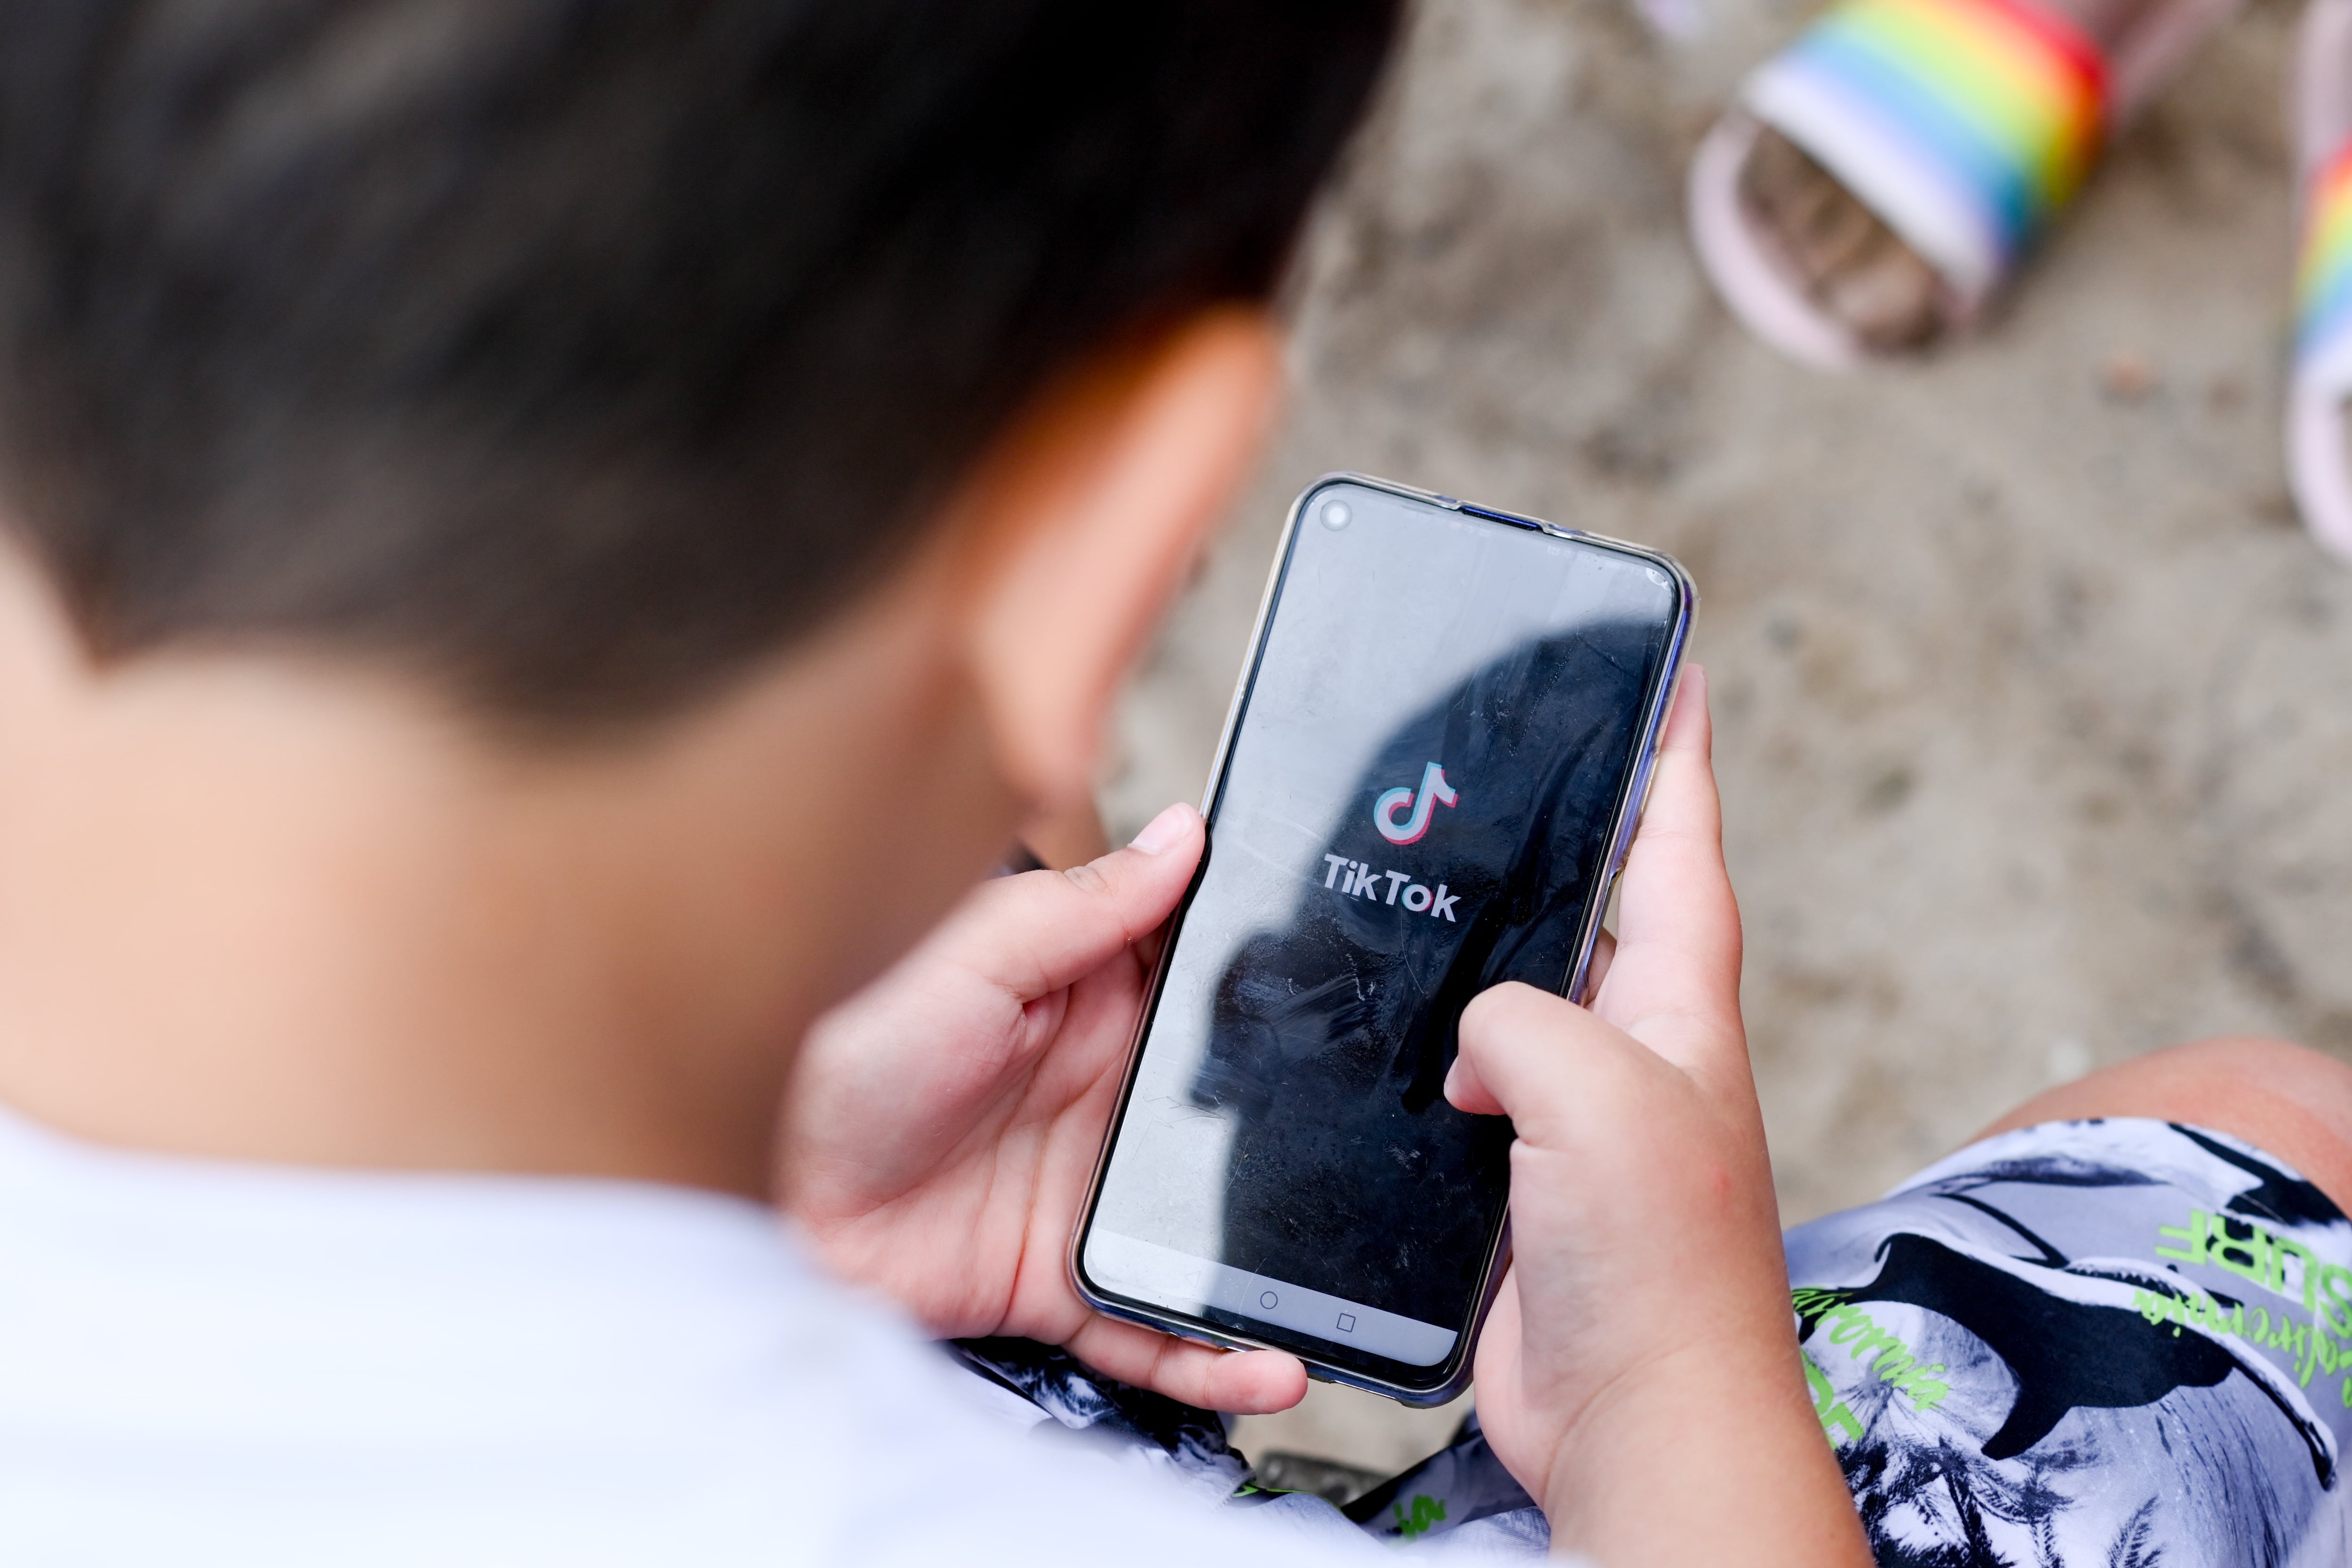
{"type": "Point", "coordinates": [1347, 1323]}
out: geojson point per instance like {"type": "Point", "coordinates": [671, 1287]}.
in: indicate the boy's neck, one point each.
{"type": "Point", "coordinates": [264, 908]}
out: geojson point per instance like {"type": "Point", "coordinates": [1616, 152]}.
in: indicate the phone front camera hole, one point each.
{"type": "Point", "coordinates": [1336, 515]}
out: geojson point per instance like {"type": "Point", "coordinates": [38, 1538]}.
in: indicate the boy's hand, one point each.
{"type": "Point", "coordinates": [1640, 1373]}
{"type": "Point", "coordinates": [943, 1124]}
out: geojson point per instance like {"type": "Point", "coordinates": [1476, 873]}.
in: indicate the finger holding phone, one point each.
{"type": "Point", "coordinates": [945, 1120]}
{"type": "Point", "coordinates": [1642, 1339]}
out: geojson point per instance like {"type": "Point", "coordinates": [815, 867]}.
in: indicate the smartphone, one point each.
{"type": "Point", "coordinates": [1430, 776]}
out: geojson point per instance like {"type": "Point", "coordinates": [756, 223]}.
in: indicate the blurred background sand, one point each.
{"type": "Point", "coordinates": [2031, 696]}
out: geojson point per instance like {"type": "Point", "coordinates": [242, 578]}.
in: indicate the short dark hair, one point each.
{"type": "Point", "coordinates": [580, 352]}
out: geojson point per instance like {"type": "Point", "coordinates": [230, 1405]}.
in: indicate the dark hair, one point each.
{"type": "Point", "coordinates": [581, 352]}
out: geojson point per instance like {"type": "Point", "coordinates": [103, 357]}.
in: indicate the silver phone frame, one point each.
{"type": "Point", "coordinates": [1634, 797]}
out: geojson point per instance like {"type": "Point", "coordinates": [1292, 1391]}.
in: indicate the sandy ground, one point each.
{"type": "Point", "coordinates": [2031, 694]}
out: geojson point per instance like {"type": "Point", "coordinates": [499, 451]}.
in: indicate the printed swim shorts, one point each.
{"type": "Point", "coordinates": [2085, 1344]}
{"type": "Point", "coordinates": [2112, 1343]}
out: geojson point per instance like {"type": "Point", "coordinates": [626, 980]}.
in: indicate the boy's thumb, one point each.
{"type": "Point", "coordinates": [1537, 1058]}
{"type": "Point", "coordinates": [1173, 827]}
{"type": "Point", "coordinates": [1034, 933]}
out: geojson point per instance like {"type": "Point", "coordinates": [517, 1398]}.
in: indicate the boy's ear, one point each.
{"type": "Point", "coordinates": [1084, 521]}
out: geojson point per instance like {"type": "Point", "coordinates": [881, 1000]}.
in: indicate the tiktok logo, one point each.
{"type": "Point", "coordinates": [1435, 792]}
{"type": "Point", "coordinates": [1358, 879]}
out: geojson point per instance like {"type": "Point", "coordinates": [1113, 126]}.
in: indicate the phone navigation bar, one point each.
{"type": "Point", "coordinates": [1183, 1283]}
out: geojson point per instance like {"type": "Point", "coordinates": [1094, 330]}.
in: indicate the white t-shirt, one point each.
{"type": "Point", "coordinates": [209, 1363]}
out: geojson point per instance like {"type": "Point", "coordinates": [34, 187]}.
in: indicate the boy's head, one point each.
{"type": "Point", "coordinates": [582, 353]}
{"type": "Point", "coordinates": [765, 427]}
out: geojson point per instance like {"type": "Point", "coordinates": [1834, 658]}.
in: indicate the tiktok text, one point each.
{"type": "Point", "coordinates": [1359, 881]}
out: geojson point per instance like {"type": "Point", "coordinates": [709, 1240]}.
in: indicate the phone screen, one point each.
{"type": "Point", "coordinates": [1418, 799]}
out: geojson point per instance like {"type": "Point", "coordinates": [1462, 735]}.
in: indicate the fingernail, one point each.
{"type": "Point", "coordinates": [1162, 831]}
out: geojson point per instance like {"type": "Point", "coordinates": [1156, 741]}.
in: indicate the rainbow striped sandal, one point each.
{"type": "Point", "coordinates": [1965, 125]}
{"type": "Point", "coordinates": [2316, 463]}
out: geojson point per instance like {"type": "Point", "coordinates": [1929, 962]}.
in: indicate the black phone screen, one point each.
{"type": "Point", "coordinates": [1418, 800]}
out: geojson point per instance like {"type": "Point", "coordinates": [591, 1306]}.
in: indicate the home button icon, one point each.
{"type": "Point", "coordinates": [1268, 1300]}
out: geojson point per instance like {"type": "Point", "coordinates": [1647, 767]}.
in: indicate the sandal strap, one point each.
{"type": "Point", "coordinates": [2323, 276]}
{"type": "Point", "coordinates": [1965, 125]}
